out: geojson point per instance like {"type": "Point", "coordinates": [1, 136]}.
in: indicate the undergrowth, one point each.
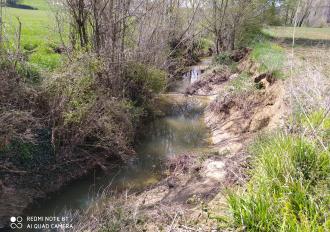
{"type": "Point", "coordinates": [289, 187]}
{"type": "Point", "coordinates": [241, 83]}
{"type": "Point", "coordinates": [93, 110]}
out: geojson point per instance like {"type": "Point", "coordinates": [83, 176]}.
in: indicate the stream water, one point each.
{"type": "Point", "coordinates": [181, 130]}
{"type": "Point", "coordinates": [191, 76]}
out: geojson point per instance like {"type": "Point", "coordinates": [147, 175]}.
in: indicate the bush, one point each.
{"type": "Point", "coordinates": [204, 44]}
{"type": "Point", "coordinates": [289, 188]}
{"type": "Point", "coordinates": [22, 133]}
{"type": "Point", "coordinates": [86, 113]}
{"type": "Point", "coordinates": [248, 32]}
{"type": "Point", "coordinates": [143, 81]}
{"type": "Point", "coordinates": [224, 58]}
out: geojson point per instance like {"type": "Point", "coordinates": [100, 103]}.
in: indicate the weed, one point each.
{"type": "Point", "coordinates": [224, 58]}
{"type": "Point", "coordinates": [289, 187]}
{"type": "Point", "coordinates": [241, 83]}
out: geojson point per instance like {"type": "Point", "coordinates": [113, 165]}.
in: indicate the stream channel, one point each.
{"type": "Point", "coordinates": [180, 130]}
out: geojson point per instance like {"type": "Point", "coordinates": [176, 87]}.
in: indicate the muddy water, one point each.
{"type": "Point", "coordinates": [181, 130]}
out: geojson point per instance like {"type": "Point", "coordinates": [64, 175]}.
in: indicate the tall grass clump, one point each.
{"type": "Point", "coordinates": [289, 189]}
{"type": "Point", "coordinates": [270, 56]}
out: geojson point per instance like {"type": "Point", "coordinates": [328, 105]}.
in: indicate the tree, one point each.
{"type": "Point", "coordinates": [231, 20]}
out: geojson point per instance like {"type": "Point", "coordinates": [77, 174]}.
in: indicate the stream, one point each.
{"type": "Point", "coordinates": [181, 130]}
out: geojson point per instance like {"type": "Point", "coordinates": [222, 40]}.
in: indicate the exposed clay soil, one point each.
{"type": "Point", "coordinates": [234, 119]}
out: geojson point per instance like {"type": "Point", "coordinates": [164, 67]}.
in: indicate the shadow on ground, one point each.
{"type": "Point", "coordinates": [22, 6]}
{"type": "Point", "coordinates": [304, 42]}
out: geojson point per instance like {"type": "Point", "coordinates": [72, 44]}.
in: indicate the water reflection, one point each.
{"type": "Point", "coordinates": [193, 75]}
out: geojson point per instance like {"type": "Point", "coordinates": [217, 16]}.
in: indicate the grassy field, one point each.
{"type": "Point", "coordinates": [38, 36]}
{"type": "Point", "coordinates": [300, 32]}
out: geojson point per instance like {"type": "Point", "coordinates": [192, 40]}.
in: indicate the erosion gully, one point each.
{"type": "Point", "coordinates": [181, 130]}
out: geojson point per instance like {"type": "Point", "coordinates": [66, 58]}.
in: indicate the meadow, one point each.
{"type": "Point", "coordinates": [300, 32]}
{"type": "Point", "coordinates": [39, 34]}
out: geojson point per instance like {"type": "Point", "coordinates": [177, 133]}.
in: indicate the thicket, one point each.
{"type": "Point", "coordinates": [24, 135]}
{"type": "Point", "coordinates": [86, 112]}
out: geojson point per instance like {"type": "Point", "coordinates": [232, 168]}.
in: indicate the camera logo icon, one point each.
{"type": "Point", "coordinates": [16, 222]}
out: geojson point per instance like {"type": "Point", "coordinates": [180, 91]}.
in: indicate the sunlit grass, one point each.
{"type": "Point", "coordinates": [289, 187]}
{"type": "Point", "coordinates": [38, 33]}
{"type": "Point", "coordinates": [300, 32]}
{"type": "Point", "coordinates": [269, 55]}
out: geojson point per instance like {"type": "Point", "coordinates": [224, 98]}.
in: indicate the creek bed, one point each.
{"type": "Point", "coordinates": [181, 130]}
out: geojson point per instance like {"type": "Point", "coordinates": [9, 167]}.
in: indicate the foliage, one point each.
{"type": "Point", "coordinates": [85, 113]}
{"type": "Point", "coordinates": [38, 31]}
{"type": "Point", "coordinates": [204, 44]}
{"type": "Point", "coordinates": [143, 81]}
{"type": "Point", "coordinates": [289, 187]}
{"type": "Point", "coordinates": [223, 58]}
{"type": "Point", "coordinates": [248, 32]}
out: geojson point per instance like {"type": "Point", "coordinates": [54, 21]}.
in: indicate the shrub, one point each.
{"type": "Point", "coordinates": [248, 32]}
{"type": "Point", "coordinates": [289, 187]}
{"type": "Point", "coordinates": [224, 58]}
{"type": "Point", "coordinates": [86, 113]}
{"type": "Point", "coordinates": [28, 71]}
{"type": "Point", "coordinates": [204, 44]}
{"type": "Point", "coordinates": [143, 81]}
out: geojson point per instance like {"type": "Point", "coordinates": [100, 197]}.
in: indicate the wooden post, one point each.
{"type": "Point", "coordinates": [19, 34]}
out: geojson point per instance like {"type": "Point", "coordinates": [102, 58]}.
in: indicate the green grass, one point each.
{"type": "Point", "coordinates": [38, 35]}
{"type": "Point", "coordinates": [270, 56]}
{"type": "Point", "coordinates": [289, 189]}
{"type": "Point", "coordinates": [300, 32]}
{"type": "Point", "coordinates": [39, 4]}
{"type": "Point", "coordinates": [242, 83]}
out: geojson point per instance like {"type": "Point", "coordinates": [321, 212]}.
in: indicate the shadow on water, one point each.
{"type": "Point", "coordinates": [22, 6]}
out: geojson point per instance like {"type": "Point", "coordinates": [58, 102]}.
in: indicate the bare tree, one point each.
{"type": "Point", "coordinates": [229, 18]}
